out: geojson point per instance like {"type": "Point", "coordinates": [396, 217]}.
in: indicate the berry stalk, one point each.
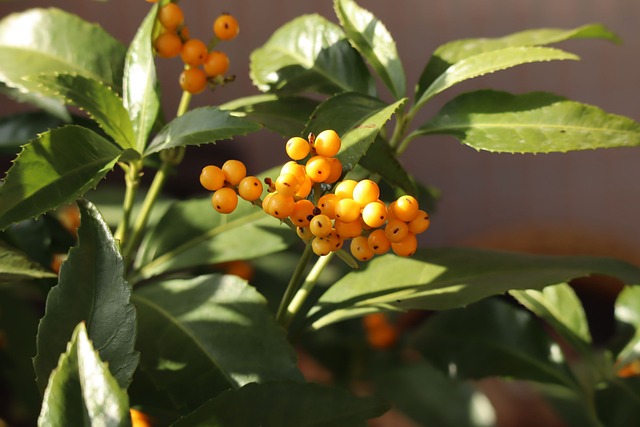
{"type": "Point", "coordinates": [293, 286]}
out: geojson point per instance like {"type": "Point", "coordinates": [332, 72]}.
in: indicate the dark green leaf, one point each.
{"type": "Point", "coordinates": [32, 42]}
{"type": "Point", "coordinates": [490, 62]}
{"type": "Point", "coordinates": [15, 265]}
{"type": "Point", "coordinates": [440, 279]}
{"type": "Point", "coordinates": [54, 169]}
{"type": "Point", "coordinates": [381, 159]}
{"type": "Point", "coordinates": [492, 338]}
{"type": "Point", "coordinates": [569, 404]}
{"type": "Point", "coordinates": [452, 52]}
{"type": "Point", "coordinates": [97, 99]}
{"type": "Point", "coordinates": [17, 129]}
{"type": "Point", "coordinates": [141, 97]}
{"type": "Point", "coordinates": [201, 336]}
{"type": "Point", "coordinates": [530, 123]}
{"type": "Point", "coordinates": [200, 126]}
{"type": "Point", "coordinates": [206, 237]}
{"type": "Point", "coordinates": [627, 311]}
{"type": "Point", "coordinates": [285, 405]}
{"type": "Point", "coordinates": [92, 289]}
{"type": "Point", "coordinates": [286, 115]}
{"type": "Point", "coordinates": [430, 398]}
{"type": "Point", "coordinates": [310, 54]}
{"type": "Point", "coordinates": [81, 390]}
{"type": "Point", "coordinates": [617, 405]}
{"type": "Point", "coordinates": [357, 118]}
{"type": "Point", "coordinates": [374, 42]}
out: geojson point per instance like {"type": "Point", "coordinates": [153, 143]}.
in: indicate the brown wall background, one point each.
{"type": "Point", "coordinates": [587, 202]}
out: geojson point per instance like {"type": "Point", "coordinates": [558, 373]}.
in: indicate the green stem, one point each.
{"type": "Point", "coordinates": [294, 284]}
{"type": "Point", "coordinates": [307, 286]}
{"type": "Point", "coordinates": [132, 180]}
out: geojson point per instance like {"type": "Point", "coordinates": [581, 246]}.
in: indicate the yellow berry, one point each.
{"type": "Point", "coordinates": [321, 246]}
{"type": "Point", "coordinates": [406, 208]}
{"type": "Point", "coordinates": [304, 233]}
{"type": "Point", "coordinates": [336, 170]}
{"type": "Point", "coordinates": [360, 249]}
{"type": "Point", "coordinates": [344, 189]}
{"type": "Point", "coordinates": [212, 178]}
{"type": "Point", "coordinates": [348, 230]}
{"type": "Point", "coordinates": [405, 247]}
{"type": "Point", "coordinates": [327, 143]}
{"type": "Point", "coordinates": [327, 205]}
{"type": "Point", "coordinates": [374, 214]}
{"type": "Point", "coordinates": [396, 230]}
{"type": "Point", "coordinates": [347, 210]}
{"type": "Point", "coordinates": [366, 191]}
{"type": "Point", "coordinates": [287, 184]}
{"type": "Point", "coordinates": [379, 242]}
{"type": "Point", "coordinates": [318, 168]}
{"type": "Point", "coordinates": [234, 171]}
{"type": "Point", "coordinates": [320, 225]}
{"type": "Point", "coordinates": [250, 188]}
{"type": "Point", "coordinates": [420, 223]}
{"type": "Point", "coordinates": [297, 148]}
{"type": "Point", "coordinates": [280, 206]}
{"type": "Point", "coordinates": [224, 200]}
{"type": "Point", "coordinates": [302, 210]}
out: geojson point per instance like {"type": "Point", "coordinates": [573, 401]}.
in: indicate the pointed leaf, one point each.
{"type": "Point", "coordinates": [17, 129]}
{"type": "Point", "coordinates": [286, 115]}
{"type": "Point", "coordinates": [200, 126]}
{"type": "Point", "coordinates": [81, 390]}
{"type": "Point", "coordinates": [430, 398]}
{"type": "Point", "coordinates": [452, 52]}
{"type": "Point", "coordinates": [530, 123]}
{"type": "Point", "coordinates": [207, 237]}
{"type": "Point", "coordinates": [140, 93]}
{"type": "Point", "coordinates": [15, 265]}
{"type": "Point", "coordinates": [32, 42]}
{"type": "Point", "coordinates": [440, 279]}
{"type": "Point", "coordinates": [489, 62]}
{"type": "Point", "coordinates": [627, 310]}
{"type": "Point", "coordinates": [92, 289]}
{"type": "Point", "coordinates": [381, 159]}
{"type": "Point", "coordinates": [285, 405]}
{"type": "Point", "coordinates": [97, 99]}
{"type": "Point", "coordinates": [201, 336]}
{"type": "Point", "coordinates": [492, 338]}
{"type": "Point", "coordinates": [357, 118]}
{"type": "Point", "coordinates": [54, 169]}
{"type": "Point", "coordinates": [374, 42]}
{"type": "Point", "coordinates": [310, 54]}
{"type": "Point", "coordinates": [561, 308]}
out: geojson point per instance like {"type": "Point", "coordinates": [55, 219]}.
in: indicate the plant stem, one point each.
{"type": "Point", "coordinates": [307, 286]}
{"type": "Point", "coordinates": [132, 180]}
{"type": "Point", "coordinates": [294, 284]}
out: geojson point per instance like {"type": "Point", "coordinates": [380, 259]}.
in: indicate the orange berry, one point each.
{"type": "Point", "coordinates": [226, 27]}
{"type": "Point", "coordinates": [360, 249]}
{"type": "Point", "coordinates": [336, 170]}
{"type": "Point", "coordinates": [193, 80]}
{"type": "Point", "coordinates": [250, 188]}
{"type": "Point", "coordinates": [327, 143]}
{"type": "Point", "coordinates": [302, 210]}
{"type": "Point", "coordinates": [318, 168]}
{"type": "Point", "coordinates": [420, 223]}
{"type": "Point", "coordinates": [396, 230]}
{"type": "Point", "coordinates": [234, 171]}
{"type": "Point", "coordinates": [212, 178]}
{"type": "Point", "coordinates": [297, 148]}
{"type": "Point", "coordinates": [366, 191]}
{"type": "Point", "coordinates": [379, 242]}
{"type": "Point", "coordinates": [194, 52]}
{"type": "Point", "coordinates": [224, 200]}
{"type": "Point", "coordinates": [171, 16]}
{"type": "Point", "coordinates": [405, 247]}
{"type": "Point", "coordinates": [168, 44]}
{"type": "Point", "coordinates": [216, 63]}
{"type": "Point", "coordinates": [344, 189]}
{"type": "Point", "coordinates": [374, 214]}
{"type": "Point", "coordinates": [406, 208]}
{"type": "Point", "coordinates": [140, 419]}
{"type": "Point", "coordinates": [347, 210]}
{"type": "Point", "coordinates": [383, 337]}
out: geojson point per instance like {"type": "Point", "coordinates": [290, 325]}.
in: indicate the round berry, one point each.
{"type": "Point", "coordinates": [194, 52]}
{"type": "Point", "coordinates": [321, 246]}
{"type": "Point", "coordinates": [348, 230]}
{"type": "Point", "coordinates": [420, 223]}
{"type": "Point", "coordinates": [344, 189]}
{"type": "Point", "coordinates": [171, 16]}
{"type": "Point", "coordinates": [327, 205]}
{"type": "Point", "coordinates": [302, 210]}
{"type": "Point", "coordinates": [216, 63]}
{"type": "Point", "coordinates": [366, 191]}
{"type": "Point", "coordinates": [287, 184]}
{"type": "Point", "coordinates": [297, 148]}
{"type": "Point", "coordinates": [295, 169]}
{"type": "Point", "coordinates": [379, 242]}
{"type": "Point", "coordinates": [305, 187]}
{"type": "Point", "coordinates": [335, 240]}
{"type": "Point", "coordinates": [327, 143]}
{"type": "Point", "coordinates": [360, 248]}
{"type": "Point", "coordinates": [249, 188]}
{"type": "Point", "coordinates": [234, 171]}
{"type": "Point", "coordinates": [212, 178]}
{"type": "Point", "coordinates": [374, 214]}
{"type": "Point", "coordinates": [406, 246]}
{"type": "Point", "coordinates": [347, 210]}
{"type": "Point", "coordinates": [168, 44]}
{"type": "Point", "coordinates": [280, 206]}
{"type": "Point", "coordinates": [318, 168]}
{"type": "Point", "coordinates": [226, 27]}
{"type": "Point", "coordinates": [304, 233]}
{"type": "Point", "coordinates": [224, 200]}
{"type": "Point", "coordinates": [193, 80]}
{"type": "Point", "coordinates": [320, 225]}
{"type": "Point", "coordinates": [396, 230]}
{"type": "Point", "coordinates": [406, 208]}
{"type": "Point", "coordinates": [336, 170]}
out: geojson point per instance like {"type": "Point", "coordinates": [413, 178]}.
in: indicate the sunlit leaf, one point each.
{"type": "Point", "coordinates": [15, 265]}
{"type": "Point", "coordinates": [627, 311]}
{"type": "Point", "coordinates": [535, 122]}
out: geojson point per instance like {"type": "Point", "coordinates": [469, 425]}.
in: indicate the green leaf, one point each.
{"type": "Point", "coordinates": [207, 237]}
{"type": "Point", "coordinates": [81, 391]}
{"type": "Point", "coordinates": [617, 404]}
{"type": "Point", "coordinates": [286, 115]}
{"type": "Point", "coordinates": [374, 42]}
{"type": "Point", "coordinates": [489, 62]}
{"type": "Point", "coordinates": [285, 405]}
{"type": "Point", "coordinates": [200, 126]}
{"type": "Point", "coordinates": [452, 52]}
{"type": "Point", "coordinates": [92, 289]}
{"type": "Point", "coordinates": [49, 105]}
{"type": "Point", "coordinates": [428, 397]}
{"type": "Point", "coordinates": [32, 42]}
{"type": "Point", "coordinates": [530, 123]}
{"type": "Point", "coordinates": [492, 338]}
{"type": "Point", "coordinates": [627, 311]}
{"type": "Point", "coordinates": [570, 405]}
{"type": "Point", "coordinates": [15, 265]}
{"type": "Point", "coordinates": [381, 159]}
{"type": "Point", "coordinates": [560, 306]}
{"type": "Point", "coordinates": [201, 336]}
{"type": "Point", "coordinates": [141, 97]}
{"type": "Point", "coordinates": [97, 99]}
{"type": "Point", "coordinates": [357, 118]}
{"type": "Point", "coordinates": [310, 54]}
{"type": "Point", "coordinates": [441, 279]}
{"type": "Point", "coordinates": [17, 129]}
{"type": "Point", "coordinates": [54, 169]}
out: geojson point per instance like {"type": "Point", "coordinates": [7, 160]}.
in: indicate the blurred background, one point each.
{"type": "Point", "coordinates": [582, 202]}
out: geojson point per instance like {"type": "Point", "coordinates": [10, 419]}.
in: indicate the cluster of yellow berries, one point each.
{"type": "Point", "coordinates": [203, 64]}
{"type": "Point", "coordinates": [352, 211]}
